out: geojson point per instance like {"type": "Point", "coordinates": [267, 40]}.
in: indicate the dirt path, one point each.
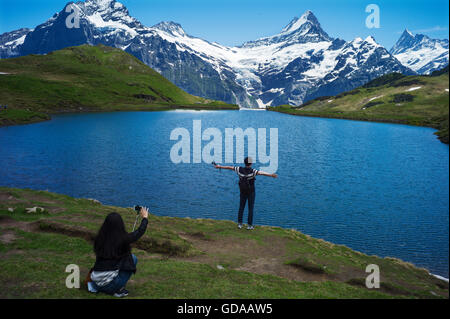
{"type": "Point", "coordinates": [249, 256]}
{"type": "Point", "coordinates": [8, 222]}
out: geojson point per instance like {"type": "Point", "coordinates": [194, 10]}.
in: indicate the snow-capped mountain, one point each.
{"type": "Point", "coordinates": [10, 42]}
{"type": "Point", "coordinates": [421, 53]}
{"type": "Point", "coordinates": [305, 29]}
{"type": "Point", "coordinates": [299, 63]}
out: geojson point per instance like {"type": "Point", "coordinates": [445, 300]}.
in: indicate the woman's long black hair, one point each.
{"type": "Point", "coordinates": [111, 240]}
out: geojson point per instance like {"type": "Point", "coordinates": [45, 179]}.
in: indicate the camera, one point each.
{"type": "Point", "coordinates": [137, 208]}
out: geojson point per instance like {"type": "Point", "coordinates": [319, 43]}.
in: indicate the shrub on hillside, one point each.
{"type": "Point", "coordinates": [402, 98]}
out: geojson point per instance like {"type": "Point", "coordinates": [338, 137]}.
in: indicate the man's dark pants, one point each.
{"type": "Point", "coordinates": [251, 203]}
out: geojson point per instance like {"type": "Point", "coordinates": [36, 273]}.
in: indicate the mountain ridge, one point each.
{"type": "Point", "coordinates": [297, 64]}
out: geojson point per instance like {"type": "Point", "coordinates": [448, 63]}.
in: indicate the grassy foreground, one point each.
{"type": "Point", "coordinates": [187, 258]}
{"type": "Point", "coordinates": [87, 79]}
{"type": "Point", "coordinates": [395, 98]}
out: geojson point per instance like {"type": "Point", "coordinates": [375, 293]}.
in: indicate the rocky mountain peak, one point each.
{"type": "Point", "coordinates": [170, 27]}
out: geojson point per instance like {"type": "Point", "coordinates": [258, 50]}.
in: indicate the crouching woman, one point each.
{"type": "Point", "coordinates": [114, 263]}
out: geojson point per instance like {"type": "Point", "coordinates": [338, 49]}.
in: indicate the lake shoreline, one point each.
{"type": "Point", "coordinates": [33, 117]}
{"type": "Point", "coordinates": [443, 138]}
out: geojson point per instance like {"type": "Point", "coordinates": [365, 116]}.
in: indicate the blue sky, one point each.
{"type": "Point", "coordinates": [232, 22]}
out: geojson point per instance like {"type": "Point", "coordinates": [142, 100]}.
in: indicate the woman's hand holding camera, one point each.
{"type": "Point", "coordinates": [144, 212]}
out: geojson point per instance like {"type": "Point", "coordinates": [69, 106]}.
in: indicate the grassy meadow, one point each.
{"type": "Point", "coordinates": [187, 258]}
{"type": "Point", "coordinates": [87, 79]}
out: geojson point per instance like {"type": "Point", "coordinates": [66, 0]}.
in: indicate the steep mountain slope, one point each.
{"type": "Point", "coordinates": [96, 78]}
{"type": "Point", "coordinates": [421, 53]}
{"type": "Point", "coordinates": [300, 63]}
{"type": "Point", "coordinates": [415, 100]}
{"type": "Point", "coordinates": [11, 42]}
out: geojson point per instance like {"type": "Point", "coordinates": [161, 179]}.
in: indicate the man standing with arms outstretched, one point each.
{"type": "Point", "coordinates": [247, 187]}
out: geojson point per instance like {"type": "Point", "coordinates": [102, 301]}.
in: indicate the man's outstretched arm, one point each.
{"type": "Point", "coordinates": [224, 167]}
{"type": "Point", "coordinates": [267, 174]}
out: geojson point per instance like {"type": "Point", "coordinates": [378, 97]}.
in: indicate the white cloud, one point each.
{"type": "Point", "coordinates": [433, 29]}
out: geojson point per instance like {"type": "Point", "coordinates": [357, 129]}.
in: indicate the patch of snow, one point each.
{"type": "Point", "coordinates": [440, 277]}
{"type": "Point", "coordinates": [276, 90]}
{"type": "Point", "coordinates": [16, 42]}
{"type": "Point", "coordinates": [326, 65]}
{"type": "Point", "coordinates": [125, 47]}
{"type": "Point", "coordinates": [413, 89]}
{"type": "Point", "coordinates": [376, 97]}
{"type": "Point", "coordinates": [97, 20]}
{"type": "Point", "coordinates": [261, 104]}
{"type": "Point", "coordinates": [358, 40]}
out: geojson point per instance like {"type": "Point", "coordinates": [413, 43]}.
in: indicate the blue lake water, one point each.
{"type": "Point", "coordinates": [378, 188]}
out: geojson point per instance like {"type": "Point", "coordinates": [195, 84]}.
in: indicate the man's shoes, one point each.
{"type": "Point", "coordinates": [250, 227]}
{"type": "Point", "coordinates": [121, 293]}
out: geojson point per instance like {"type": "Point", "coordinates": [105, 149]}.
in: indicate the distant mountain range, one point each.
{"type": "Point", "coordinates": [300, 63]}
{"type": "Point", "coordinates": [420, 53]}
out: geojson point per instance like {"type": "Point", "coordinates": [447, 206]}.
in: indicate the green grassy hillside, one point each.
{"type": "Point", "coordinates": [187, 258]}
{"type": "Point", "coordinates": [86, 78]}
{"type": "Point", "coordinates": [413, 100]}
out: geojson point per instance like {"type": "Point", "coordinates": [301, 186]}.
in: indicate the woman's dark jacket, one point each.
{"type": "Point", "coordinates": [124, 262]}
